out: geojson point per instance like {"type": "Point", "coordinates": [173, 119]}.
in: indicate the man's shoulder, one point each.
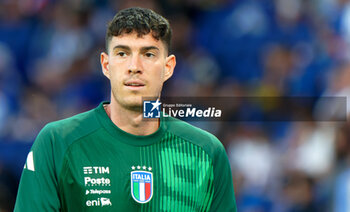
{"type": "Point", "coordinates": [72, 128]}
{"type": "Point", "coordinates": [209, 142]}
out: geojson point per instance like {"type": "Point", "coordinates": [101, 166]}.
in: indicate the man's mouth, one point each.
{"type": "Point", "coordinates": [134, 83]}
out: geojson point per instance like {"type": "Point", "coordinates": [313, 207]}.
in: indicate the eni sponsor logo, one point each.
{"type": "Point", "coordinates": [101, 202]}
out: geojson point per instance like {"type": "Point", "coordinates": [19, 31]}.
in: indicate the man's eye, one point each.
{"type": "Point", "coordinates": [121, 54]}
{"type": "Point", "coordinates": [149, 54]}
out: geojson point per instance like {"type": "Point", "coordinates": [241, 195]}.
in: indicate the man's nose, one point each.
{"type": "Point", "coordinates": [135, 65]}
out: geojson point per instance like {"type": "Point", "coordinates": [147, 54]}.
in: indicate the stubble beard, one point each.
{"type": "Point", "coordinates": [129, 103]}
{"type": "Point", "coordinates": [134, 103]}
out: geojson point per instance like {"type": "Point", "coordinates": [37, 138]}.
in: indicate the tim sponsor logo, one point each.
{"type": "Point", "coordinates": [96, 170]}
{"type": "Point", "coordinates": [99, 202]}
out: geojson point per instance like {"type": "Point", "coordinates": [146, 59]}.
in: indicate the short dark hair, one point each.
{"type": "Point", "coordinates": [142, 21]}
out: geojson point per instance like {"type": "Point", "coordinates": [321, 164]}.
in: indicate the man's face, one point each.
{"type": "Point", "coordinates": [136, 67]}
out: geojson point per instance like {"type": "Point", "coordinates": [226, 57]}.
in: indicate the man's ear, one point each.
{"type": "Point", "coordinates": [169, 67]}
{"type": "Point", "coordinates": [105, 64]}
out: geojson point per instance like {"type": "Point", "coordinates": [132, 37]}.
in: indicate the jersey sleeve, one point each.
{"type": "Point", "coordinates": [38, 188]}
{"type": "Point", "coordinates": [224, 199]}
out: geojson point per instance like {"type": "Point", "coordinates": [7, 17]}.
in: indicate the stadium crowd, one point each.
{"type": "Point", "coordinates": [49, 70]}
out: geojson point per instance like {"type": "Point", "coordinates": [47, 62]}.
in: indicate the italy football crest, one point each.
{"type": "Point", "coordinates": [141, 186]}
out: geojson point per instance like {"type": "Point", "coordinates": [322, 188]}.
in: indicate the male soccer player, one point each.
{"type": "Point", "coordinates": [110, 158]}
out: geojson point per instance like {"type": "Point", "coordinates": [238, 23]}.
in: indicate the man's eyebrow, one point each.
{"type": "Point", "coordinates": [147, 48]}
{"type": "Point", "coordinates": [143, 49]}
{"type": "Point", "coordinates": [121, 47]}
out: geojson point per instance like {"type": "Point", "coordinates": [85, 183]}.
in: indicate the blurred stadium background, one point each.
{"type": "Point", "coordinates": [49, 70]}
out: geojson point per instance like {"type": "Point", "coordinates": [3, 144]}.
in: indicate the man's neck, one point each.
{"type": "Point", "coordinates": [130, 121]}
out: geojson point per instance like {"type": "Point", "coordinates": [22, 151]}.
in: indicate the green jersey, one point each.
{"type": "Point", "coordinates": [86, 163]}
